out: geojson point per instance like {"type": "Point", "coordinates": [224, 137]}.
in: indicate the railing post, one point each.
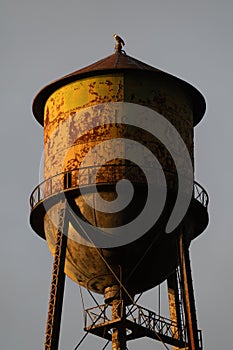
{"type": "Point", "coordinates": [67, 180]}
{"type": "Point", "coordinates": [51, 186]}
{"type": "Point", "coordinates": [38, 193]}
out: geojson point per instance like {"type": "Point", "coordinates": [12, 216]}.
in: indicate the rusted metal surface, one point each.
{"type": "Point", "coordinates": [61, 108]}
{"type": "Point", "coordinates": [71, 180]}
{"type": "Point", "coordinates": [174, 300]}
{"type": "Point", "coordinates": [65, 116]}
{"type": "Point", "coordinates": [118, 333]}
{"type": "Point", "coordinates": [139, 322]}
{"type": "Point", "coordinates": [84, 264]}
{"type": "Point", "coordinates": [65, 149]}
{"type": "Point", "coordinates": [57, 284]}
{"type": "Point", "coordinates": [122, 63]}
{"type": "Point", "coordinates": [194, 339]}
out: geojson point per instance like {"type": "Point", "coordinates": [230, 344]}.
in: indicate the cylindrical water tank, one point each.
{"type": "Point", "coordinates": [88, 143]}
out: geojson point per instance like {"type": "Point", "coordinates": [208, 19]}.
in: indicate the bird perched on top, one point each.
{"type": "Point", "coordinates": [119, 40]}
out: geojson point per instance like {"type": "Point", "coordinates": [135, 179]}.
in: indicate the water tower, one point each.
{"type": "Point", "coordinates": [118, 206]}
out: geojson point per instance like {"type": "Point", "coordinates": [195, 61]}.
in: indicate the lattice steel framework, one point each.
{"type": "Point", "coordinates": [58, 283]}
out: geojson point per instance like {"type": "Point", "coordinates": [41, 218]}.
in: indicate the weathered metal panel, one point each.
{"type": "Point", "coordinates": [66, 117]}
{"type": "Point", "coordinates": [62, 127]}
{"type": "Point", "coordinates": [65, 149]}
{"type": "Point", "coordinates": [167, 98]}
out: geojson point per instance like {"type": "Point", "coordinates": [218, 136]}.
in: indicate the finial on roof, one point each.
{"type": "Point", "coordinates": [119, 43]}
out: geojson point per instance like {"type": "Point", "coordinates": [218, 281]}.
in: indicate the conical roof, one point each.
{"type": "Point", "coordinates": [119, 61]}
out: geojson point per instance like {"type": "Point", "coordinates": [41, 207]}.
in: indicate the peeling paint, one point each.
{"type": "Point", "coordinates": [64, 119]}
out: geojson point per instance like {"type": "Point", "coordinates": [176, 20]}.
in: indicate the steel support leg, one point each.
{"type": "Point", "coordinates": [174, 304]}
{"type": "Point", "coordinates": [57, 284]}
{"type": "Point", "coordinates": [119, 333]}
{"type": "Point", "coordinates": [189, 301]}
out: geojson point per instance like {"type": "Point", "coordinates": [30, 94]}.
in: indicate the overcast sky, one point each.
{"type": "Point", "coordinates": [43, 40]}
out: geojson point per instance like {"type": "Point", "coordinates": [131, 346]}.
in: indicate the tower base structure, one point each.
{"type": "Point", "coordinates": [120, 319]}
{"type": "Point", "coordinates": [119, 322]}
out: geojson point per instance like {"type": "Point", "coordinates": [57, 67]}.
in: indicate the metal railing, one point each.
{"type": "Point", "coordinates": [73, 179]}
{"type": "Point", "coordinates": [200, 194]}
{"type": "Point", "coordinates": [156, 323]}
{"type": "Point", "coordinates": [150, 323]}
{"type": "Point", "coordinates": [200, 342]}
{"type": "Point", "coordinates": [98, 315]}
{"type": "Point", "coordinates": [137, 316]}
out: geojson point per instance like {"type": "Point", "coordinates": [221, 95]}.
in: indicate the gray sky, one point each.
{"type": "Point", "coordinates": [43, 40]}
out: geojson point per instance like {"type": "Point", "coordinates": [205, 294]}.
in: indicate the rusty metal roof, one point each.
{"type": "Point", "coordinates": [117, 61]}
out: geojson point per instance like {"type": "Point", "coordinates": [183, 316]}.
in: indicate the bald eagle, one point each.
{"type": "Point", "coordinates": [119, 40]}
